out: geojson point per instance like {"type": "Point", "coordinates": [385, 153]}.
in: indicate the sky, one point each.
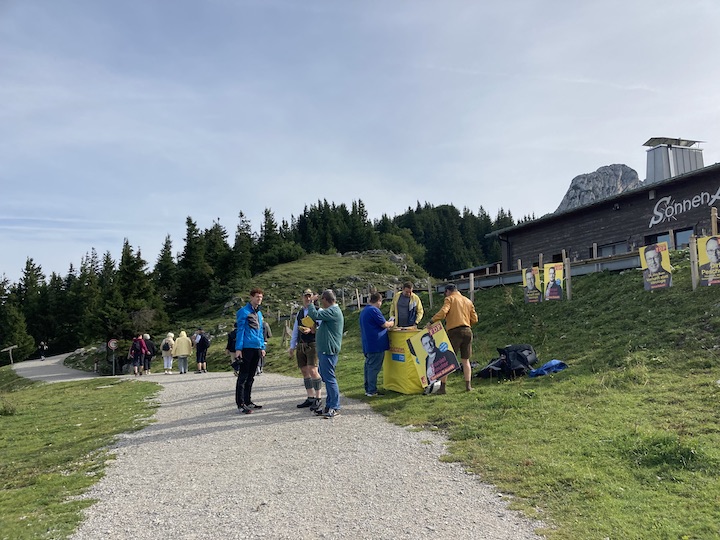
{"type": "Point", "coordinates": [121, 119]}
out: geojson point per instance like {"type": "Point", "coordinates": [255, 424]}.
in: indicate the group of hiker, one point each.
{"type": "Point", "coordinates": [143, 349]}
{"type": "Point", "coordinates": [315, 343]}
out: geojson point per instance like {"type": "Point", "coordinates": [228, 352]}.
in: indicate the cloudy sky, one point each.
{"type": "Point", "coordinates": [120, 119]}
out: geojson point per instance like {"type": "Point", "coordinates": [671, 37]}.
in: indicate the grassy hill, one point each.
{"type": "Point", "coordinates": [624, 444]}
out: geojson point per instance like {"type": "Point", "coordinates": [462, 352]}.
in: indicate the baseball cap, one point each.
{"type": "Point", "coordinates": [307, 292]}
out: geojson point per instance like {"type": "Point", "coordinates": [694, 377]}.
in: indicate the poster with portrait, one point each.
{"type": "Point", "coordinates": [433, 350]}
{"type": "Point", "coordinates": [655, 262]}
{"type": "Point", "coordinates": [553, 281]}
{"type": "Point", "coordinates": [531, 285]}
{"type": "Point", "coordinates": [709, 260]}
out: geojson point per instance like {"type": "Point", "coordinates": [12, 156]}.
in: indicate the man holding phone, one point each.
{"type": "Point", "coordinates": [375, 341]}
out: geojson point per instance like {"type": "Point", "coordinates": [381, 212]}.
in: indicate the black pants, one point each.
{"type": "Point", "coordinates": [246, 376]}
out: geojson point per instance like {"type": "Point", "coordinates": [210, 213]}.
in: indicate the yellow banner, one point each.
{"type": "Point", "coordinates": [655, 261]}
{"type": "Point", "coordinates": [709, 260]}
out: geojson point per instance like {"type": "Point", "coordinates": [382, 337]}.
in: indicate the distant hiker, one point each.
{"type": "Point", "coordinates": [182, 348]}
{"type": "Point", "coordinates": [249, 350]}
{"type": "Point", "coordinates": [230, 347]}
{"type": "Point", "coordinates": [459, 314]}
{"type": "Point", "coordinates": [137, 354]}
{"type": "Point", "coordinates": [302, 344]}
{"type": "Point", "coordinates": [42, 349]}
{"type": "Point", "coordinates": [328, 341]}
{"type": "Point", "coordinates": [202, 344]}
{"type": "Point", "coordinates": [166, 348]}
{"type": "Point", "coordinates": [151, 350]}
{"type": "Point", "coordinates": [267, 334]}
{"type": "Point", "coordinates": [406, 307]}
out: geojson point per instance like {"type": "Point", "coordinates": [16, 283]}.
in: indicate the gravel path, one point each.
{"type": "Point", "coordinates": [205, 471]}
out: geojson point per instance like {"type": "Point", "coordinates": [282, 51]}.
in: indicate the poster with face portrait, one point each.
{"type": "Point", "coordinates": [531, 285]}
{"type": "Point", "coordinates": [553, 281]}
{"type": "Point", "coordinates": [709, 260]}
{"type": "Point", "coordinates": [655, 262]}
{"type": "Point", "coordinates": [433, 350]}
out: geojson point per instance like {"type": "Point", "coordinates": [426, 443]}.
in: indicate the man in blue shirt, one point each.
{"type": "Point", "coordinates": [249, 350]}
{"type": "Point", "coordinates": [375, 341]}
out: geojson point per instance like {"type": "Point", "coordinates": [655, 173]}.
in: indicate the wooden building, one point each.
{"type": "Point", "coordinates": [673, 203]}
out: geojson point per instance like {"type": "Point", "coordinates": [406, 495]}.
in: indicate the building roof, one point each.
{"type": "Point", "coordinates": [657, 141]}
{"type": "Point", "coordinates": [630, 192]}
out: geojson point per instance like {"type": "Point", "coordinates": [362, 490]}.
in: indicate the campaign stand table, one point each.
{"type": "Point", "coordinates": [402, 371]}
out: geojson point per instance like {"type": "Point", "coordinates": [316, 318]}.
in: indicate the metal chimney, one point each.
{"type": "Point", "coordinates": [671, 157]}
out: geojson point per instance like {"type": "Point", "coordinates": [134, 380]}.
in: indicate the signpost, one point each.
{"type": "Point", "coordinates": [9, 350]}
{"type": "Point", "coordinates": [112, 345]}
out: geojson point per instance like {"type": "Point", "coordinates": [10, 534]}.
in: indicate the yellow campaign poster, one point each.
{"type": "Point", "coordinates": [433, 350]}
{"type": "Point", "coordinates": [553, 281]}
{"type": "Point", "coordinates": [402, 371]}
{"type": "Point", "coordinates": [531, 280]}
{"type": "Point", "coordinates": [709, 260]}
{"type": "Point", "coordinates": [655, 262]}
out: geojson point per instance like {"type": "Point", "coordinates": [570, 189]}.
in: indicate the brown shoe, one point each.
{"type": "Point", "coordinates": [442, 389]}
{"type": "Point", "coordinates": [468, 386]}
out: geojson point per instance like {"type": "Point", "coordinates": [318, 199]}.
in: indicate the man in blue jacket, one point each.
{"type": "Point", "coordinates": [249, 350]}
{"type": "Point", "coordinates": [375, 341]}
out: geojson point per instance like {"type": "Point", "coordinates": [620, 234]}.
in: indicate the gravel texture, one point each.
{"type": "Point", "coordinates": [205, 471]}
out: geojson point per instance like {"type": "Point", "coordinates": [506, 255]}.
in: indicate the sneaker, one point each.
{"type": "Point", "coordinates": [321, 412]}
{"type": "Point", "coordinates": [244, 409]}
{"type": "Point", "coordinates": [317, 404]}
{"type": "Point", "coordinates": [332, 413]}
{"type": "Point", "coordinates": [309, 402]}
{"type": "Point", "coordinates": [251, 405]}
{"type": "Point", "coordinates": [368, 394]}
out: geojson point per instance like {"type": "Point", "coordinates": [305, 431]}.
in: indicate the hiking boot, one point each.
{"type": "Point", "coordinates": [332, 413]}
{"type": "Point", "coordinates": [316, 404]}
{"type": "Point", "coordinates": [244, 409]}
{"type": "Point", "coordinates": [251, 405]}
{"type": "Point", "coordinates": [321, 412]}
{"type": "Point", "coordinates": [309, 402]}
{"type": "Point", "coordinates": [442, 389]}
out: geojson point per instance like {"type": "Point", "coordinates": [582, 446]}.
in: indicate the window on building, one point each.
{"type": "Point", "coordinates": [682, 238]}
{"type": "Point", "coordinates": [607, 250]}
{"type": "Point", "coordinates": [657, 238]}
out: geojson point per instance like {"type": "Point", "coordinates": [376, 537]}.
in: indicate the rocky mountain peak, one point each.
{"type": "Point", "coordinates": [606, 182]}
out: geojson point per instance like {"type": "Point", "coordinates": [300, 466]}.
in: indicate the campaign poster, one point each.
{"type": "Point", "coordinates": [655, 262]}
{"type": "Point", "coordinates": [553, 281]}
{"type": "Point", "coordinates": [709, 260]}
{"type": "Point", "coordinates": [531, 285]}
{"type": "Point", "coordinates": [432, 348]}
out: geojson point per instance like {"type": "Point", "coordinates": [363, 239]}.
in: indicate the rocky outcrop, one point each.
{"type": "Point", "coordinates": [606, 182]}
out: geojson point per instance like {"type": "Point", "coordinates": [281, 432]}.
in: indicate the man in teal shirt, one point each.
{"type": "Point", "coordinates": [328, 341]}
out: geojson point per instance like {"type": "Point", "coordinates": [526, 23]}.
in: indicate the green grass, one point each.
{"type": "Point", "coordinates": [52, 447]}
{"type": "Point", "coordinates": [624, 444]}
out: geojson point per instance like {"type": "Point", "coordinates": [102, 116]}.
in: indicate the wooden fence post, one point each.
{"type": "Point", "coordinates": [694, 271]}
{"type": "Point", "coordinates": [471, 286]}
{"type": "Point", "coordinates": [713, 221]}
{"type": "Point", "coordinates": [568, 280]}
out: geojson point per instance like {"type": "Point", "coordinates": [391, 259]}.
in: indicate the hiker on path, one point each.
{"type": "Point", "coordinates": [230, 347]}
{"type": "Point", "coordinates": [328, 342]}
{"type": "Point", "coordinates": [137, 353]}
{"type": "Point", "coordinates": [182, 348]}
{"type": "Point", "coordinates": [249, 350]}
{"type": "Point", "coordinates": [42, 349]}
{"type": "Point", "coordinates": [147, 359]}
{"type": "Point", "coordinates": [202, 344]}
{"type": "Point", "coordinates": [302, 345]}
{"type": "Point", "coordinates": [166, 348]}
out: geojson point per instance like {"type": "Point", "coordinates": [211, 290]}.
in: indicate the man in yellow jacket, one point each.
{"type": "Point", "coordinates": [459, 314]}
{"type": "Point", "coordinates": [406, 308]}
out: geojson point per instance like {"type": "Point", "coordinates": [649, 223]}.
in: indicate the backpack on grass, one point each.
{"type": "Point", "coordinates": [514, 361]}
